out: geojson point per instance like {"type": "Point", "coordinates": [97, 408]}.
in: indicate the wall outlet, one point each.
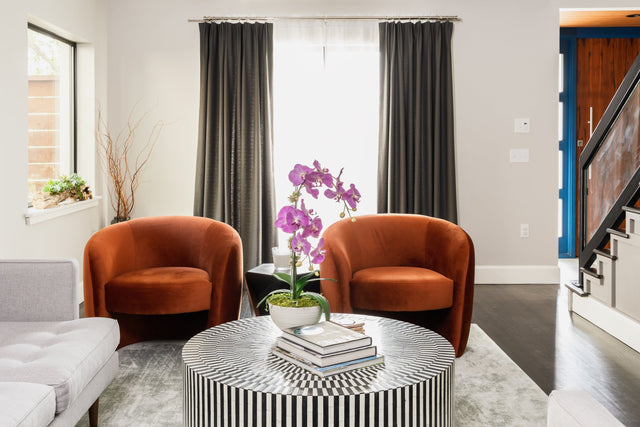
{"type": "Point", "coordinates": [521, 125]}
{"type": "Point", "coordinates": [524, 230]}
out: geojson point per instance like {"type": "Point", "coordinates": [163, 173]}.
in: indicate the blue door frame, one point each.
{"type": "Point", "coordinates": [567, 142]}
{"type": "Point", "coordinates": [567, 147]}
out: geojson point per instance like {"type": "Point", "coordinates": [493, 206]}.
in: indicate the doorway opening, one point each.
{"type": "Point", "coordinates": [597, 48]}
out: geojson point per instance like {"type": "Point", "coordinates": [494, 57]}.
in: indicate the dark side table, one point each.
{"type": "Point", "coordinates": [260, 282]}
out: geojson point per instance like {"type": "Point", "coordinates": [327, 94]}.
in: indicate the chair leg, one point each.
{"type": "Point", "coordinates": [93, 414]}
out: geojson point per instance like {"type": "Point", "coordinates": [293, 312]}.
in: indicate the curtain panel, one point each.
{"type": "Point", "coordinates": [416, 163]}
{"type": "Point", "coordinates": [234, 171]}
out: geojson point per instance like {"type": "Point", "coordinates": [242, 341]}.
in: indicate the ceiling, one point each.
{"type": "Point", "coordinates": [599, 18]}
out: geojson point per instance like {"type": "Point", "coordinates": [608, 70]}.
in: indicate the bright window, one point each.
{"type": "Point", "coordinates": [51, 65]}
{"type": "Point", "coordinates": [326, 106]}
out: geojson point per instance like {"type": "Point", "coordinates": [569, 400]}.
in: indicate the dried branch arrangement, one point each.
{"type": "Point", "coordinates": [122, 163]}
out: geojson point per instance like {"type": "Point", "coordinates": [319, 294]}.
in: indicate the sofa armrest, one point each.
{"type": "Point", "coordinates": [38, 290]}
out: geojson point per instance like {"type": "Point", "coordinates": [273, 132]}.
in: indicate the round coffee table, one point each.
{"type": "Point", "coordinates": [232, 379]}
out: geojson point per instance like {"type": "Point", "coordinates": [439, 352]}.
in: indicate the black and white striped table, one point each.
{"type": "Point", "coordinates": [231, 379]}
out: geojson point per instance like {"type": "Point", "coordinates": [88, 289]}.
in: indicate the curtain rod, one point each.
{"type": "Point", "coordinates": [321, 18]}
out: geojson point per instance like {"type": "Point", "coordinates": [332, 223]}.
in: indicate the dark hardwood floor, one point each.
{"type": "Point", "coordinates": [558, 349]}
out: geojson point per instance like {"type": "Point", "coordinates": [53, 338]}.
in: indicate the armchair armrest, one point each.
{"type": "Point", "coordinates": [221, 257]}
{"type": "Point", "coordinates": [337, 268]}
{"type": "Point", "coordinates": [38, 290]}
{"type": "Point", "coordinates": [108, 253]}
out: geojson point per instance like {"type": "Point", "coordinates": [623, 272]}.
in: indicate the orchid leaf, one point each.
{"type": "Point", "coordinates": [317, 279]}
{"type": "Point", "coordinates": [302, 282]}
{"type": "Point", "coordinates": [283, 277]}
{"type": "Point", "coordinates": [308, 276]}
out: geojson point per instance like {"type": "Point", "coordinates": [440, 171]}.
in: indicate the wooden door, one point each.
{"type": "Point", "coordinates": [602, 64]}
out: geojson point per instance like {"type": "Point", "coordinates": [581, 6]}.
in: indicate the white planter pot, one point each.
{"type": "Point", "coordinates": [292, 317]}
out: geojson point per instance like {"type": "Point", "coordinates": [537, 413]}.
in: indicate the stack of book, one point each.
{"type": "Point", "coordinates": [327, 348]}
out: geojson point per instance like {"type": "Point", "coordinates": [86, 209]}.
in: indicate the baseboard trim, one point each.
{"type": "Point", "coordinates": [610, 320]}
{"type": "Point", "coordinates": [517, 274]}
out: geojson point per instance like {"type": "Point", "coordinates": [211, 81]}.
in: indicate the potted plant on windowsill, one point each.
{"type": "Point", "coordinates": [64, 190]}
{"type": "Point", "coordinates": [294, 306]}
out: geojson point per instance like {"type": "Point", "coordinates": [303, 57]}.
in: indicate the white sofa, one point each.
{"type": "Point", "coordinates": [53, 365]}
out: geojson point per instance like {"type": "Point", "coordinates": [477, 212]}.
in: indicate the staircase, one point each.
{"type": "Point", "coordinates": [609, 295]}
{"type": "Point", "coordinates": [608, 290]}
{"type": "Point", "coordinates": [614, 277]}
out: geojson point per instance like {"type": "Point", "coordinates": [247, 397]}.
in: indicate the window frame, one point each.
{"type": "Point", "coordinates": [74, 93]}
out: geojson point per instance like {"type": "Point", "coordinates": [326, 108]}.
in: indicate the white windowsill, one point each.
{"type": "Point", "coordinates": [34, 216]}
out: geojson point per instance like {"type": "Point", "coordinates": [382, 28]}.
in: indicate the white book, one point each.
{"type": "Point", "coordinates": [325, 359]}
{"type": "Point", "coordinates": [328, 370]}
{"type": "Point", "coordinates": [327, 337]}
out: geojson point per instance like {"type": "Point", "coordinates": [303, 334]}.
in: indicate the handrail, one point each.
{"type": "Point", "coordinates": [596, 238]}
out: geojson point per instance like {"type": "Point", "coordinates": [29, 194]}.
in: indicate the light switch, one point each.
{"type": "Point", "coordinates": [521, 125]}
{"type": "Point", "coordinates": [519, 155]}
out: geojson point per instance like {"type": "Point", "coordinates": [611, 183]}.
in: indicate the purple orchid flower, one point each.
{"type": "Point", "coordinates": [336, 195]}
{"type": "Point", "coordinates": [300, 245]}
{"type": "Point", "coordinates": [316, 164]}
{"type": "Point", "coordinates": [296, 218]}
{"type": "Point", "coordinates": [311, 189]}
{"type": "Point", "coordinates": [313, 228]}
{"type": "Point", "coordinates": [304, 223]}
{"type": "Point", "coordinates": [317, 255]}
{"type": "Point", "coordinates": [321, 176]}
{"type": "Point", "coordinates": [281, 221]}
{"type": "Point", "coordinates": [352, 196]}
{"type": "Point", "coordinates": [291, 219]}
{"type": "Point", "coordinates": [298, 174]}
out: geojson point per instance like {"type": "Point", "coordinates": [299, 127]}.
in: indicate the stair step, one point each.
{"type": "Point", "coordinates": [631, 209]}
{"type": "Point", "coordinates": [574, 286]}
{"type": "Point", "coordinates": [591, 272]}
{"type": "Point", "coordinates": [619, 233]}
{"type": "Point", "coordinates": [605, 253]}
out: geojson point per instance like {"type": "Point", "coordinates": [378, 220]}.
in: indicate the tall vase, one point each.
{"type": "Point", "coordinates": [117, 219]}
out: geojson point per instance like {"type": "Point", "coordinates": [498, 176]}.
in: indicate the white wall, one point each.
{"type": "Point", "coordinates": [83, 21]}
{"type": "Point", "coordinates": [505, 67]}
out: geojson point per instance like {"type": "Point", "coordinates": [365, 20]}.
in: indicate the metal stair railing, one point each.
{"type": "Point", "coordinates": [610, 168]}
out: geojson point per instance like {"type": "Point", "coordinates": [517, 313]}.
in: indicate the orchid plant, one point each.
{"type": "Point", "coordinates": [304, 224]}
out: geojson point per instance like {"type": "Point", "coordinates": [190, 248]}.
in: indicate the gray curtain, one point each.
{"type": "Point", "coordinates": [416, 166]}
{"type": "Point", "coordinates": [234, 173]}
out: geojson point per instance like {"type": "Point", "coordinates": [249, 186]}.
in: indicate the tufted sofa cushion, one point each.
{"type": "Point", "coordinates": [26, 404]}
{"type": "Point", "coordinates": [64, 355]}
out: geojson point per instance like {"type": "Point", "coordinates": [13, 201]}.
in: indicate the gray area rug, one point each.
{"type": "Point", "coordinates": [490, 389]}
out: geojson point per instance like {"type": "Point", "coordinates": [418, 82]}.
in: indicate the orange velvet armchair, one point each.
{"type": "Point", "coordinates": [409, 267]}
{"type": "Point", "coordinates": [164, 277]}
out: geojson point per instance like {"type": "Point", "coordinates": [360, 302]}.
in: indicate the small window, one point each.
{"type": "Point", "coordinates": [52, 134]}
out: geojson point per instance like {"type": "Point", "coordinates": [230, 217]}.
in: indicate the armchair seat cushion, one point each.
{"type": "Point", "coordinates": [400, 289]}
{"type": "Point", "coordinates": [159, 290]}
